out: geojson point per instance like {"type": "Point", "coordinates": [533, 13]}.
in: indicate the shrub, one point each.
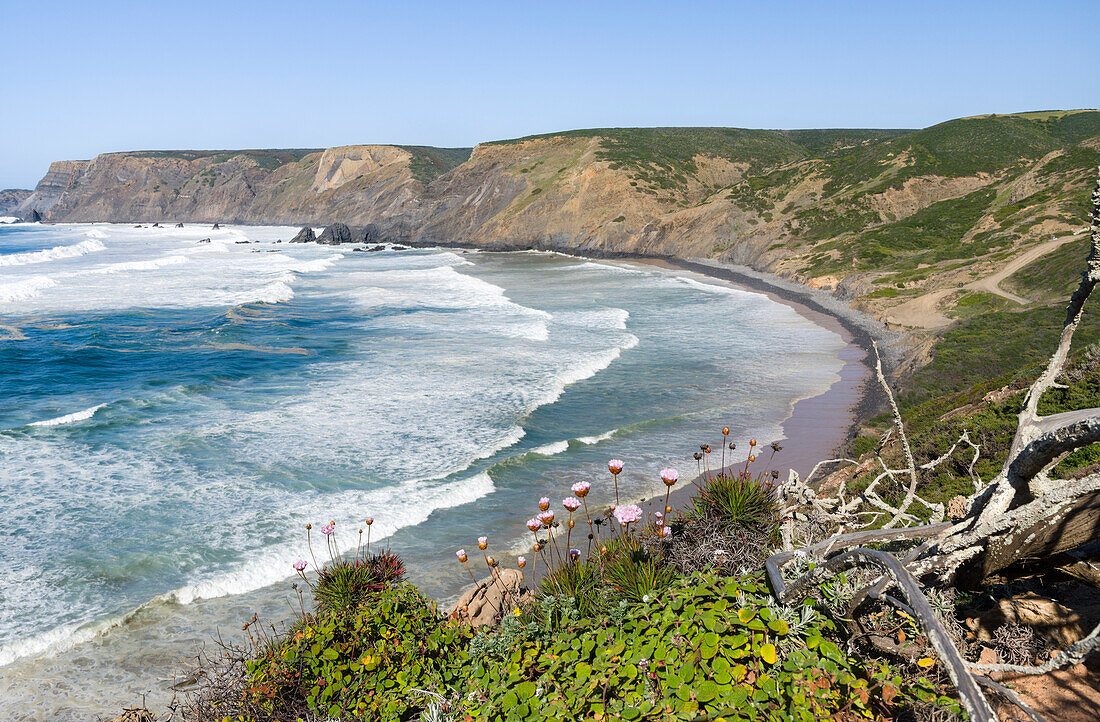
{"type": "Point", "coordinates": [706, 646]}
{"type": "Point", "coordinates": [737, 500]}
{"type": "Point", "coordinates": [345, 584]}
{"type": "Point", "coordinates": [577, 580]}
{"type": "Point", "coordinates": [361, 665]}
{"type": "Point", "coordinates": [634, 571]}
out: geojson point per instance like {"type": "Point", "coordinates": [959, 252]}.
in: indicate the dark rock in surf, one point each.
{"type": "Point", "coordinates": [305, 235]}
{"type": "Point", "coordinates": [336, 234]}
{"type": "Point", "coordinates": [216, 227]}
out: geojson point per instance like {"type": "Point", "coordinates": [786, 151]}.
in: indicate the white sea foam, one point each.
{"type": "Point", "coordinates": [444, 288]}
{"type": "Point", "coordinates": [150, 265]}
{"type": "Point", "coordinates": [25, 289]}
{"type": "Point", "coordinates": [9, 219]}
{"type": "Point", "coordinates": [317, 264]}
{"type": "Point", "coordinates": [95, 233]}
{"type": "Point", "coordinates": [51, 254]}
{"type": "Point", "coordinates": [590, 440]}
{"type": "Point", "coordinates": [550, 449]}
{"type": "Point", "coordinates": [70, 418]}
{"type": "Point", "coordinates": [274, 292]}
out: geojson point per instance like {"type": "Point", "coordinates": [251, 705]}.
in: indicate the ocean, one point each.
{"type": "Point", "coordinates": [177, 404]}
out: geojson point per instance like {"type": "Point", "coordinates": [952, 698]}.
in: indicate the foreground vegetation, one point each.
{"type": "Point", "coordinates": [651, 624]}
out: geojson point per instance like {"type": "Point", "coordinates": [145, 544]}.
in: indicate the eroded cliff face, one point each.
{"type": "Point", "coordinates": [882, 216]}
{"type": "Point", "coordinates": [11, 199]}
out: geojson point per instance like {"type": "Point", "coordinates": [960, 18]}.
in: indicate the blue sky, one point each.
{"type": "Point", "coordinates": [91, 77]}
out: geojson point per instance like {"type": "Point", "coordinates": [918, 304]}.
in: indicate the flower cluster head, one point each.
{"type": "Point", "coordinates": [534, 524]}
{"type": "Point", "coordinates": [574, 553]}
{"type": "Point", "coordinates": [547, 518]}
{"type": "Point", "coordinates": [670, 476]}
{"type": "Point", "coordinates": [665, 531]}
{"type": "Point", "coordinates": [571, 503]}
{"type": "Point", "coordinates": [299, 565]}
{"type": "Point", "coordinates": [581, 489]}
{"type": "Point", "coordinates": [461, 554]}
{"type": "Point", "coordinates": [544, 503]}
{"type": "Point", "coordinates": [615, 466]}
{"type": "Point", "coordinates": [482, 542]}
{"type": "Point", "coordinates": [327, 529]}
{"type": "Point", "coordinates": [752, 442]}
{"type": "Point", "coordinates": [369, 520]}
{"type": "Point", "coordinates": [628, 514]}
{"type": "Point", "coordinates": [725, 431]}
{"type": "Point", "coordinates": [522, 561]}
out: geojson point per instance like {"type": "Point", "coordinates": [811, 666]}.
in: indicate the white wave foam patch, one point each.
{"type": "Point", "coordinates": [274, 292]}
{"type": "Point", "coordinates": [52, 254]}
{"type": "Point", "coordinates": [26, 289]}
{"type": "Point", "coordinates": [95, 234]}
{"type": "Point", "coordinates": [70, 418]}
{"type": "Point", "coordinates": [9, 219]}
{"type": "Point", "coordinates": [588, 368]}
{"type": "Point", "coordinates": [61, 639]}
{"type": "Point", "coordinates": [317, 264]}
{"type": "Point", "coordinates": [150, 265]}
{"type": "Point", "coordinates": [714, 287]}
{"type": "Point", "coordinates": [590, 440]}
{"type": "Point", "coordinates": [550, 449]}
{"type": "Point", "coordinates": [444, 288]}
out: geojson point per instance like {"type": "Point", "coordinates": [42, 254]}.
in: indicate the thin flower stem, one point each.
{"type": "Point", "coordinates": [616, 478]}
{"type": "Point", "coordinates": [309, 543]}
{"type": "Point", "coordinates": [569, 533]}
{"type": "Point", "coordinates": [368, 540]}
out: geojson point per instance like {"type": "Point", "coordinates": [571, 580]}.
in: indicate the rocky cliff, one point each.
{"type": "Point", "coordinates": [12, 198]}
{"type": "Point", "coordinates": [883, 216]}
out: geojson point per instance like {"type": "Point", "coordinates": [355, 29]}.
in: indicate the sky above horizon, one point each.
{"type": "Point", "coordinates": [88, 78]}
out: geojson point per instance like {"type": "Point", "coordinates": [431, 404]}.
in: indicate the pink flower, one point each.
{"type": "Point", "coordinates": [461, 554]}
{"type": "Point", "coordinates": [482, 542]}
{"type": "Point", "coordinates": [534, 524]}
{"type": "Point", "coordinates": [544, 503]}
{"type": "Point", "coordinates": [571, 503]}
{"type": "Point", "coordinates": [547, 518]}
{"type": "Point", "coordinates": [628, 514]}
{"type": "Point", "coordinates": [522, 561]}
{"type": "Point", "coordinates": [299, 565]}
{"type": "Point", "coordinates": [327, 529]}
{"type": "Point", "coordinates": [615, 466]}
{"type": "Point", "coordinates": [581, 489]}
{"type": "Point", "coordinates": [670, 476]}
{"type": "Point", "coordinates": [369, 520]}
{"type": "Point", "coordinates": [666, 531]}
{"type": "Point", "coordinates": [658, 514]}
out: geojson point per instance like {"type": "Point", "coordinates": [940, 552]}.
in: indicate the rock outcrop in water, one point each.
{"type": "Point", "coordinates": [306, 235]}
{"type": "Point", "coordinates": [336, 234]}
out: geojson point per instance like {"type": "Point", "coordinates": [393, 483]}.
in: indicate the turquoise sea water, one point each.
{"type": "Point", "coordinates": [173, 412]}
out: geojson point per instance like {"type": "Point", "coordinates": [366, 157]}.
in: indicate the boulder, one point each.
{"type": "Point", "coordinates": [305, 235]}
{"type": "Point", "coordinates": [336, 234]}
{"type": "Point", "coordinates": [179, 225]}
{"type": "Point", "coordinates": [481, 605]}
{"type": "Point", "coordinates": [216, 227]}
{"type": "Point", "coordinates": [33, 217]}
